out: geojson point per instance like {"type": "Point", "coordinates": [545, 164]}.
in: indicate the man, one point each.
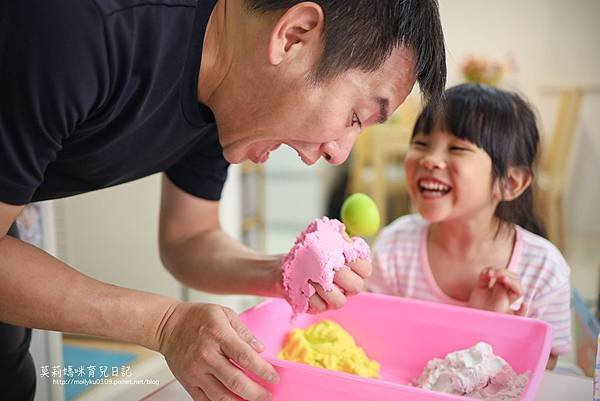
{"type": "Point", "coordinates": [95, 93]}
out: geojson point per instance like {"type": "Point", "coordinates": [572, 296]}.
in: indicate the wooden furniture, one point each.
{"type": "Point", "coordinates": [551, 179]}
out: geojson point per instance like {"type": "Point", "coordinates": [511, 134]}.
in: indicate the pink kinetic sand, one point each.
{"type": "Point", "coordinates": [320, 250]}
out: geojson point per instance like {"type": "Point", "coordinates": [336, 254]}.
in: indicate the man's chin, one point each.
{"type": "Point", "coordinates": [232, 158]}
{"type": "Point", "coordinates": [254, 157]}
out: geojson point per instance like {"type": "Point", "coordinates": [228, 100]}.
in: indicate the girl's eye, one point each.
{"type": "Point", "coordinates": [356, 120]}
{"type": "Point", "coordinates": [419, 144]}
{"type": "Point", "coordinates": [458, 148]}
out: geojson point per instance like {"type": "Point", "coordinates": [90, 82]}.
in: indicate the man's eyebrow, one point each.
{"type": "Point", "coordinates": [383, 103]}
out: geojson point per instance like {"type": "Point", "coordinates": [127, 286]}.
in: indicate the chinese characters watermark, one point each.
{"type": "Point", "coordinates": [92, 374]}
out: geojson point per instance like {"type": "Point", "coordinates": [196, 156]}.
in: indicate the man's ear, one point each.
{"type": "Point", "coordinates": [516, 182]}
{"type": "Point", "coordinates": [299, 28]}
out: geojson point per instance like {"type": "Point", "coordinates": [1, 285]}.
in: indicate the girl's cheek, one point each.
{"type": "Point", "coordinates": [410, 161]}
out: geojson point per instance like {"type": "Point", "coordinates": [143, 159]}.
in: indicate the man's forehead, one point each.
{"type": "Point", "coordinates": [397, 73]}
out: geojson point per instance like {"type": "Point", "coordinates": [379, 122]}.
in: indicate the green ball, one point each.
{"type": "Point", "coordinates": [360, 215]}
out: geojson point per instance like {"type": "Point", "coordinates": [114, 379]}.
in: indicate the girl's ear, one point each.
{"type": "Point", "coordinates": [515, 183]}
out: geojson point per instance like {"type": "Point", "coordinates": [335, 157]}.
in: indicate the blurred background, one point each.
{"type": "Point", "coordinates": [547, 50]}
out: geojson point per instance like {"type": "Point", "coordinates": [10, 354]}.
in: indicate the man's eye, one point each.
{"type": "Point", "coordinates": [356, 120]}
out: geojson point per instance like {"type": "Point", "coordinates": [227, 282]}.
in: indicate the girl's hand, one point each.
{"type": "Point", "coordinates": [496, 290]}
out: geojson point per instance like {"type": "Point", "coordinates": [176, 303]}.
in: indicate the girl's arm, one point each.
{"type": "Point", "coordinates": [496, 291]}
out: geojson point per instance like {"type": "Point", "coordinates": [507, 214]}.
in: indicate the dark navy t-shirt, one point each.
{"type": "Point", "coordinates": [94, 93]}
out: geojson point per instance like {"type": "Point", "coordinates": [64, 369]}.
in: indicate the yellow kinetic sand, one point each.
{"type": "Point", "coordinates": [327, 345]}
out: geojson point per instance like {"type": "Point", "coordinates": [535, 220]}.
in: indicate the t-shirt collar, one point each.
{"type": "Point", "coordinates": [195, 112]}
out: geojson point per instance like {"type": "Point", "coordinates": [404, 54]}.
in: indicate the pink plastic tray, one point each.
{"type": "Point", "coordinates": [402, 334]}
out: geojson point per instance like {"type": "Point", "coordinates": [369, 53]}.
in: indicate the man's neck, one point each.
{"type": "Point", "coordinates": [216, 52]}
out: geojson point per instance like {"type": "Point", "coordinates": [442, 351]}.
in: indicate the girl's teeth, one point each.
{"type": "Point", "coordinates": [434, 186]}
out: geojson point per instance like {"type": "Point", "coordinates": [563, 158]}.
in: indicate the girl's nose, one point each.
{"type": "Point", "coordinates": [431, 162]}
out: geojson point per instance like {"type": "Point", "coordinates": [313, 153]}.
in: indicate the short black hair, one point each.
{"type": "Point", "coordinates": [361, 34]}
{"type": "Point", "coordinates": [504, 125]}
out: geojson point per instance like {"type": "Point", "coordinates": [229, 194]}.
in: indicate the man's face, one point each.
{"type": "Point", "coordinates": [320, 120]}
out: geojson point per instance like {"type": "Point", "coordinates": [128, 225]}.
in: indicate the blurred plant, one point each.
{"type": "Point", "coordinates": [482, 70]}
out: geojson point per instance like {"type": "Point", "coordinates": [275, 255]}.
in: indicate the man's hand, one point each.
{"type": "Point", "coordinates": [348, 281]}
{"type": "Point", "coordinates": [496, 290]}
{"type": "Point", "coordinates": [203, 343]}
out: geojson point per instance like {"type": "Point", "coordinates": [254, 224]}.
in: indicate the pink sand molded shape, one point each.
{"type": "Point", "coordinates": [320, 250]}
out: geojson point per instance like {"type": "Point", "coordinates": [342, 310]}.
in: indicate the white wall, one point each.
{"type": "Point", "coordinates": [295, 195]}
{"type": "Point", "coordinates": [552, 42]}
{"type": "Point", "coordinates": [112, 235]}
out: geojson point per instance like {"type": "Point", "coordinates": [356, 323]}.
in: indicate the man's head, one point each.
{"type": "Point", "coordinates": [312, 75]}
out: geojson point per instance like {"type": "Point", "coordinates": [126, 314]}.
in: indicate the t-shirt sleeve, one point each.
{"type": "Point", "coordinates": [50, 73]}
{"type": "Point", "coordinates": [554, 307]}
{"type": "Point", "coordinates": [548, 278]}
{"type": "Point", "coordinates": [202, 173]}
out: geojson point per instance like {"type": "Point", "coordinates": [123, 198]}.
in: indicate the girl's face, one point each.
{"type": "Point", "coordinates": [449, 178]}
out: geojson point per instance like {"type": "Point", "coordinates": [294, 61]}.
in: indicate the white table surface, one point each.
{"type": "Point", "coordinates": [554, 387]}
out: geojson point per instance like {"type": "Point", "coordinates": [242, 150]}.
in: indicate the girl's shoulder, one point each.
{"type": "Point", "coordinates": [404, 229]}
{"type": "Point", "coordinates": [540, 254]}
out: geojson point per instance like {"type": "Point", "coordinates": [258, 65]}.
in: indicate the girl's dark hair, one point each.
{"type": "Point", "coordinates": [502, 124]}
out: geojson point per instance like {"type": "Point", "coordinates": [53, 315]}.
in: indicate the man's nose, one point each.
{"type": "Point", "coordinates": [334, 152]}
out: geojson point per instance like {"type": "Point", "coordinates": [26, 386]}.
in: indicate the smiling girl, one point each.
{"type": "Point", "coordinates": [475, 241]}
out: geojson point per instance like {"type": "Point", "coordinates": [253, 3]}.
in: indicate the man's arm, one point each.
{"type": "Point", "coordinates": [197, 340]}
{"type": "Point", "coordinates": [200, 255]}
{"type": "Point", "coordinates": [38, 290]}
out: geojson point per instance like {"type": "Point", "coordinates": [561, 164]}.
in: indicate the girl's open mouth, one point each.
{"type": "Point", "coordinates": [433, 188]}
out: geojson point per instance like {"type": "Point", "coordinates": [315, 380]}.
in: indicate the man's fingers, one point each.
{"type": "Point", "coordinates": [235, 379]}
{"type": "Point", "coordinates": [316, 304]}
{"type": "Point", "coordinates": [197, 394]}
{"type": "Point", "coordinates": [214, 390]}
{"type": "Point", "coordinates": [247, 358]}
{"type": "Point", "coordinates": [334, 299]}
{"type": "Point", "coordinates": [243, 331]}
{"type": "Point", "coordinates": [211, 355]}
{"type": "Point", "coordinates": [350, 282]}
{"type": "Point", "coordinates": [362, 267]}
